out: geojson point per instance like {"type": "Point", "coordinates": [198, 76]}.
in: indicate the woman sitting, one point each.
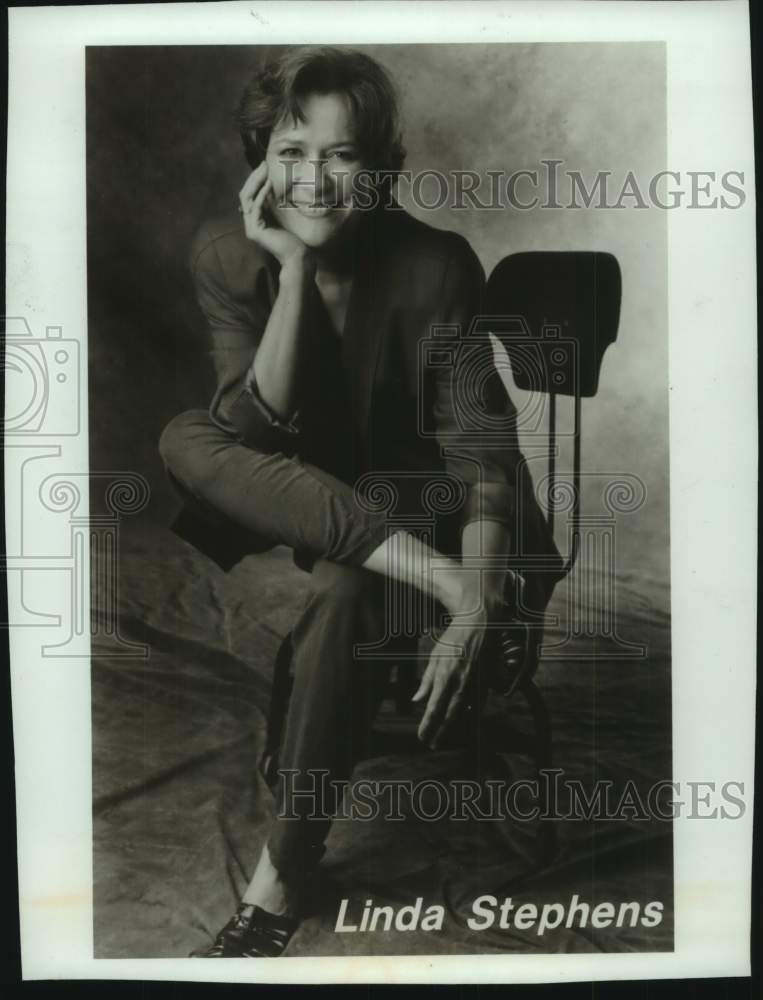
{"type": "Point", "coordinates": [353, 395]}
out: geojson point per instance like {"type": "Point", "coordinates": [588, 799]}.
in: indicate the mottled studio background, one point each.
{"type": "Point", "coordinates": [163, 155]}
{"type": "Point", "coordinates": [179, 810]}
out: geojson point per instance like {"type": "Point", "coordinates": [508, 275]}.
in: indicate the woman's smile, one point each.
{"type": "Point", "coordinates": [318, 210]}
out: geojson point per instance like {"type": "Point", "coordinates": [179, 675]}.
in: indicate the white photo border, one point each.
{"type": "Point", "coordinates": [713, 459]}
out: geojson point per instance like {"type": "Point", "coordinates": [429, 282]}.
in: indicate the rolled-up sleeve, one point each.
{"type": "Point", "coordinates": [474, 416]}
{"type": "Point", "coordinates": [235, 329]}
{"type": "Point", "coordinates": [257, 423]}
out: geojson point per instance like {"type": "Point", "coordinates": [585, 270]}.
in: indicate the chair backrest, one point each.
{"type": "Point", "coordinates": [555, 312]}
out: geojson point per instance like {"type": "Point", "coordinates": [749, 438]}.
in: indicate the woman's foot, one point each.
{"type": "Point", "coordinates": [267, 917]}
{"type": "Point", "coordinates": [252, 933]}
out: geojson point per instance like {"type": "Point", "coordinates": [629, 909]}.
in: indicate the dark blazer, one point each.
{"type": "Point", "coordinates": [423, 401]}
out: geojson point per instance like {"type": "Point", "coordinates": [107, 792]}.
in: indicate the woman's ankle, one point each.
{"type": "Point", "coordinates": [270, 894]}
{"type": "Point", "coordinates": [273, 902]}
{"type": "Point", "coordinates": [269, 891]}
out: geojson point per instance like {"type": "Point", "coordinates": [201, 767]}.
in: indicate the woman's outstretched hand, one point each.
{"type": "Point", "coordinates": [454, 659]}
{"type": "Point", "coordinates": [260, 224]}
{"type": "Point", "coordinates": [452, 662]}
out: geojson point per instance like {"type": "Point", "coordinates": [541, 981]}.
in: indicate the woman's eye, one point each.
{"type": "Point", "coordinates": [345, 155]}
{"type": "Point", "coordinates": [292, 152]}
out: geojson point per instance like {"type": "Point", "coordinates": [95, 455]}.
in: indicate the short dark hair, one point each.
{"type": "Point", "coordinates": [276, 91]}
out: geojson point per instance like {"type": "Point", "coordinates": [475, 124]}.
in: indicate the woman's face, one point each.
{"type": "Point", "coordinates": [312, 165]}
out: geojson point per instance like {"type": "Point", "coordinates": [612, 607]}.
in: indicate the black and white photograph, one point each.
{"type": "Point", "coordinates": [376, 565]}
{"type": "Point", "coordinates": [408, 687]}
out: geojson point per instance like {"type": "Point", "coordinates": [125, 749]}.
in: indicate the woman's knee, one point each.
{"type": "Point", "coordinates": [187, 448]}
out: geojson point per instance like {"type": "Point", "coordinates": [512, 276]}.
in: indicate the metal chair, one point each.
{"type": "Point", "coordinates": [555, 313]}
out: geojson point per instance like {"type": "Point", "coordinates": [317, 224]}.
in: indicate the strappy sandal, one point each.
{"type": "Point", "coordinates": [252, 933]}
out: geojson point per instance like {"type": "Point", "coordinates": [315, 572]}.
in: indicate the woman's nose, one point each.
{"type": "Point", "coordinates": [320, 181]}
{"type": "Point", "coordinates": [311, 176]}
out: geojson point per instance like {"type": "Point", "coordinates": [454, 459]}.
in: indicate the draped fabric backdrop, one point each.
{"type": "Point", "coordinates": [179, 811]}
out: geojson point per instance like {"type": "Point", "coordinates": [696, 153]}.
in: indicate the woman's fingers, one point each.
{"type": "Point", "coordinates": [437, 680]}
{"type": "Point", "coordinates": [258, 204]}
{"type": "Point", "coordinates": [434, 710]}
{"type": "Point", "coordinates": [256, 223]}
{"type": "Point", "coordinates": [428, 675]}
{"type": "Point", "coordinates": [424, 686]}
{"type": "Point", "coordinates": [253, 184]}
{"type": "Point", "coordinates": [454, 706]}
{"type": "Point", "coordinates": [463, 679]}
{"type": "Point", "coordinates": [426, 680]}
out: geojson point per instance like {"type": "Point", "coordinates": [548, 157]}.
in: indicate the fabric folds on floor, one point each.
{"type": "Point", "coordinates": [180, 812]}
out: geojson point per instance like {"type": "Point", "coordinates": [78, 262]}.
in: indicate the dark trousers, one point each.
{"type": "Point", "coordinates": [337, 686]}
{"type": "Point", "coordinates": [335, 696]}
